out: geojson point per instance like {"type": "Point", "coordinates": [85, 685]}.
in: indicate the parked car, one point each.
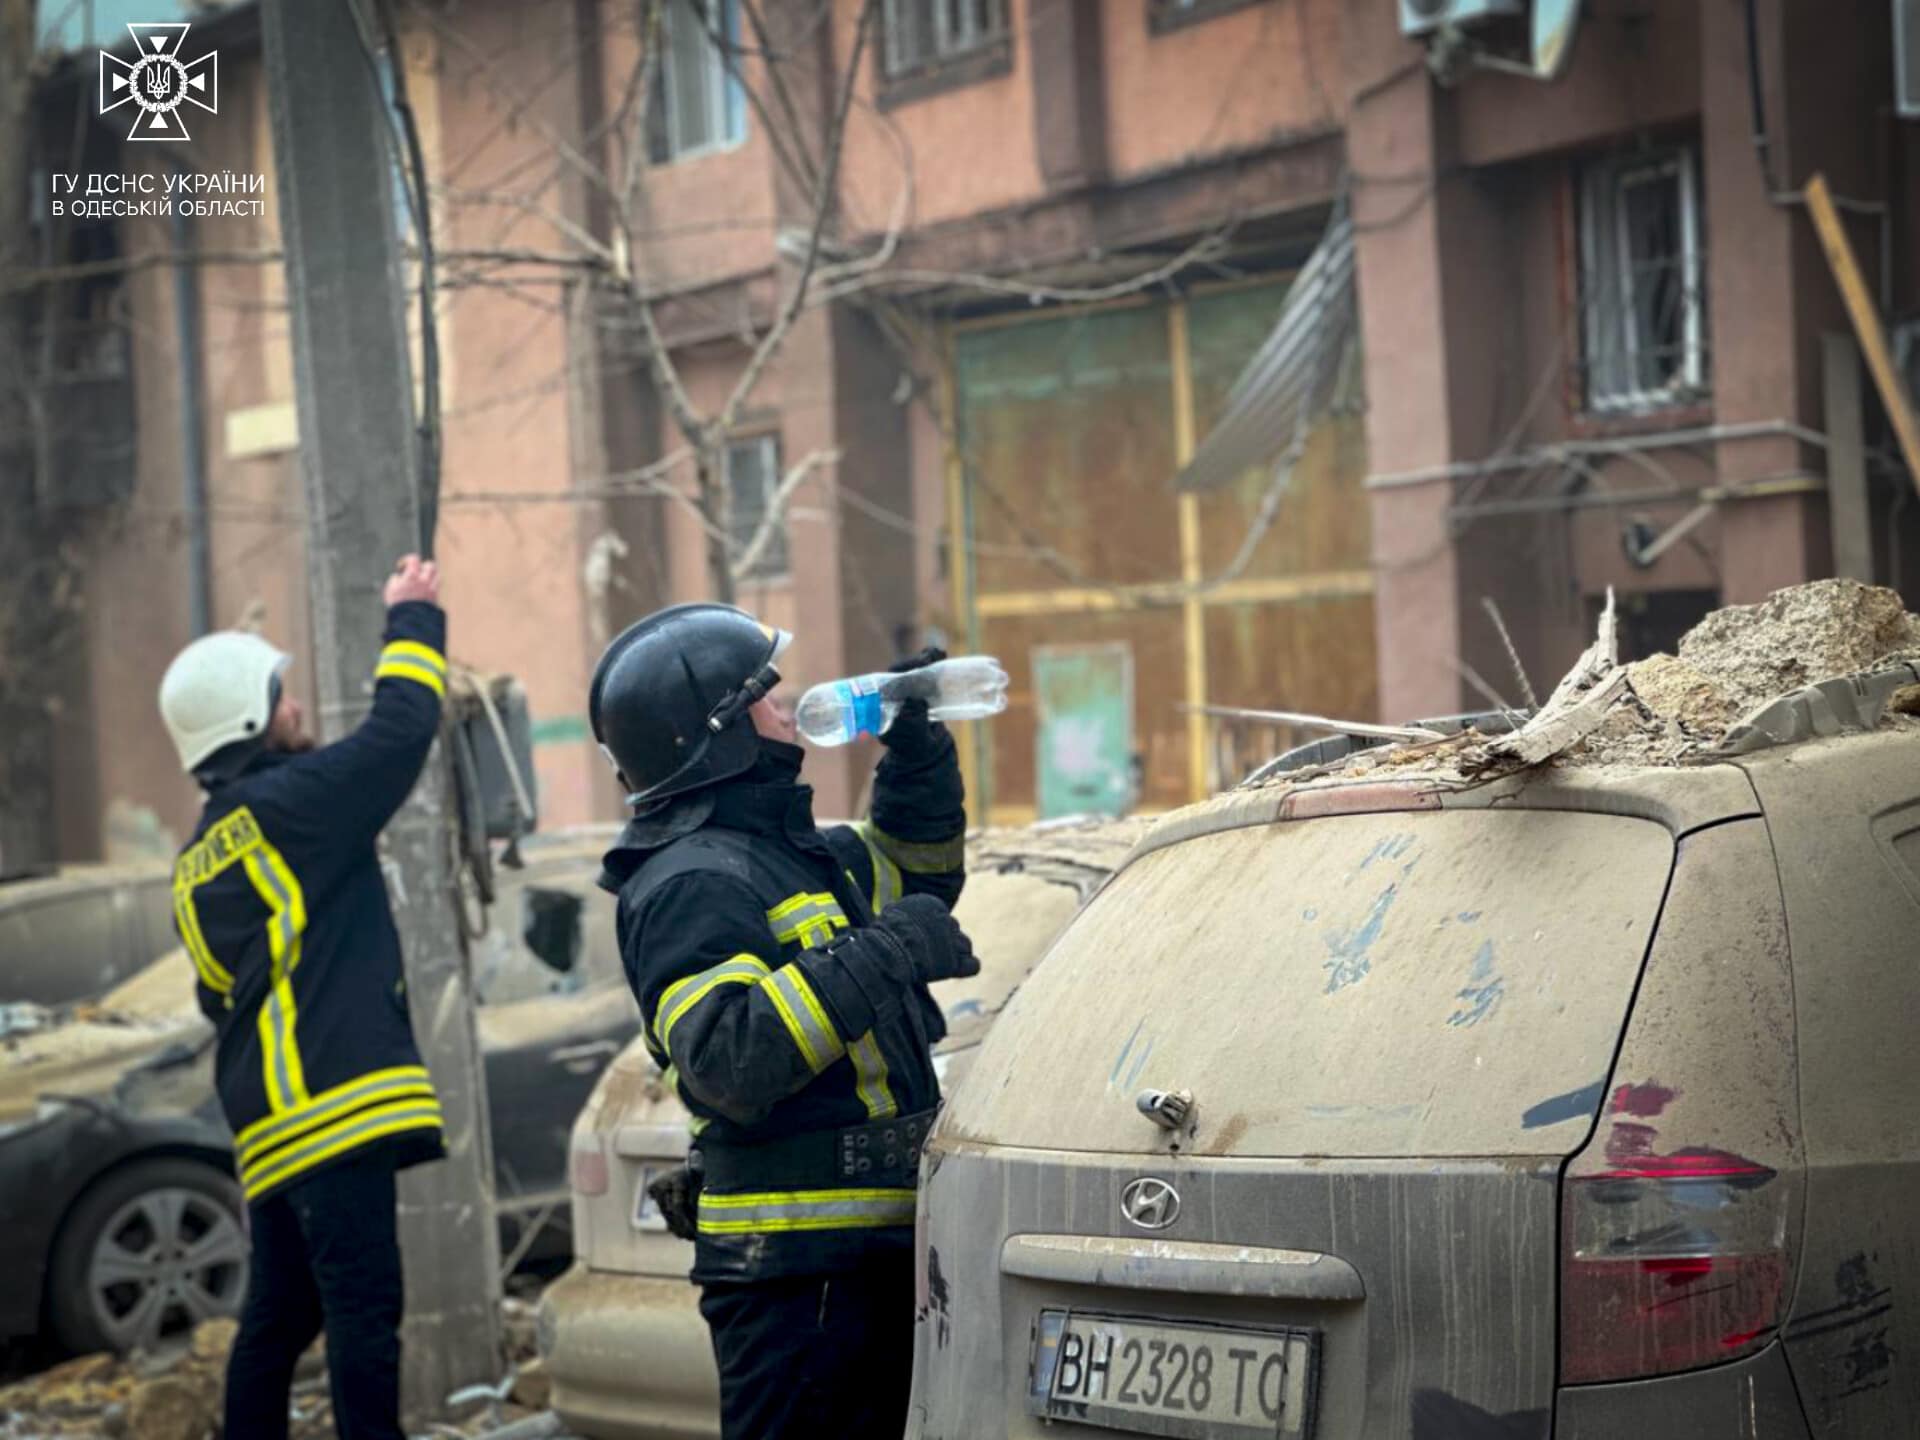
{"type": "Point", "coordinates": [623, 1341]}
{"type": "Point", "coordinates": [1577, 1103]}
{"type": "Point", "coordinates": [81, 930]}
{"type": "Point", "coordinates": [119, 1218]}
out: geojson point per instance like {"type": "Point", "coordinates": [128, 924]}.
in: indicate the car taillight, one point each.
{"type": "Point", "coordinates": [587, 1163]}
{"type": "Point", "coordinates": [1670, 1261]}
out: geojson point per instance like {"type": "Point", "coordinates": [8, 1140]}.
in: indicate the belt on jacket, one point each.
{"type": "Point", "coordinates": [880, 1154]}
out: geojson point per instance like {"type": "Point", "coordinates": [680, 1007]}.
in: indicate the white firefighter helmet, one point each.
{"type": "Point", "coordinates": [217, 691]}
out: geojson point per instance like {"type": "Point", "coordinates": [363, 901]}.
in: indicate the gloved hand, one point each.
{"type": "Point", "coordinates": [677, 1194]}
{"type": "Point", "coordinates": [935, 945]}
{"type": "Point", "coordinates": [914, 734]}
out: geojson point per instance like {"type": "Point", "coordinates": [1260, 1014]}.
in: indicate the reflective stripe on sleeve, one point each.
{"type": "Point", "coordinates": [938, 857]}
{"type": "Point", "coordinates": [681, 996]}
{"type": "Point", "coordinates": [806, 1018]}
{"type": "Point", "coordinates": [810, 919]}
{"type": "Point", "coordinates": [870, 1078]}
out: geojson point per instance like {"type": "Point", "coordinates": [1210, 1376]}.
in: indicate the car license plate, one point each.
{"type": "Point", "coordinates": [1161, 1377]}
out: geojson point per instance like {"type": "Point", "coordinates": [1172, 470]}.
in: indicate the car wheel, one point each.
{"type": "Point", "coordinates": [147, 1254]}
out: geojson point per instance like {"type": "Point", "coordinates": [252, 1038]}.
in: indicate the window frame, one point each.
{"type": "Point", "coordinates": [935, 73]}
{"type": "Point", "coordinates": [779, 549]}
{"type": "Point", "coordinates": [726, 101]}
{"type": "Point", "coordinates": [1611, 386]}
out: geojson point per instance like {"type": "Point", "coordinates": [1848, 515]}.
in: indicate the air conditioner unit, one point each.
{"type": "Point", "coordinates": [1906, 56]}
{"type": "Point", "coordinates": [1424, 17]}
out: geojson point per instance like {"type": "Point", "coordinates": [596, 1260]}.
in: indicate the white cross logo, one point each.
{"type": "Point", "coordinates": [157, 80]}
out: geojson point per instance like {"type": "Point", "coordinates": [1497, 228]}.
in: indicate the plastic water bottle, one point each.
{"type": "Point", "coordinates": [967, 687]}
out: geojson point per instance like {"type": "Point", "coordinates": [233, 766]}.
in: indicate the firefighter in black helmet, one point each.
{"type": "Point", "coordinates": [782, 974]}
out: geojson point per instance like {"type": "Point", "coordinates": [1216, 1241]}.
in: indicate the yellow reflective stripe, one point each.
{"type": "Point", "coordinates": [408, 670]}
{"type": "Point", "coordinates": [400, 1081]}
{"type": "Point", "coordinates": [792, 903]}
{"type": "Point", "coordinates": [887, 884]}
{"type": "Point", "coordinates": [870, 1078]}
{"type": "Point", "coordinates": [810, 919]}
{"type": "Point", "coordinates": [414, 650]}
{"type": "Point", "coordinates": [786, 1211]}
{"type": "Point", "coordinates": [286, 1080]}
{"type": "Point", "coordinates": [806, 1019]}
{"type": "Point", "coordinates": [937, 857]}
{"type": "Point", "coordinates": [681, 996]}
{"type": "Point", "coordinates": [213, 974]}
{"type": "Point", "coordinates": [336, 1140]}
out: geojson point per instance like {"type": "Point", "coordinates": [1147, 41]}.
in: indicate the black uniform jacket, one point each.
{"type": "Point", "coordinates": [280, 902]}
{"type": "Point", "coordinates": [782, 1047]}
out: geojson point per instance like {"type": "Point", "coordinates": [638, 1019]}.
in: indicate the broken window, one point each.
{"type": "Point", "coordinates": [923, 33]}
{"type": "Point", "coordinates": [698, 105]}
{"type": "Point", "coordinates": [1642, 282]}
{"type": "Point", "coordinates": [753, 476]}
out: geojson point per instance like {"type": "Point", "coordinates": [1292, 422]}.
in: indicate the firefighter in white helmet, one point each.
{"type": "Point", "coordinates": [279, 900]}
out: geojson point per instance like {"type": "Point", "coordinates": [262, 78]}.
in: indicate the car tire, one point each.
{"type": "Point", "coordinates": [148, 1252]}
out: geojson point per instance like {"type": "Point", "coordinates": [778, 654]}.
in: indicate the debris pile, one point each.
{"type": "Point", "coordinates": [1669, 709]}
{"type": "Point", "coordinates": [176, 1394]}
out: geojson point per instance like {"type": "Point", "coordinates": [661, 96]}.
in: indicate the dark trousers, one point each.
{"type": "Point", "coordinates": [823, 1356]}
{"type": "Point", "coordinates": [326, 1252]}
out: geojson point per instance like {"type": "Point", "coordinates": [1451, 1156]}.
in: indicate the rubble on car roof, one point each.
{"type": "Point", "coordinates": [1092, 841]}
{"type": "Point", "coordinates": [1671, 709]}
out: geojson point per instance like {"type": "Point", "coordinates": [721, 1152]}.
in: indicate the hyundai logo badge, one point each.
{"type": "Point", "coordinates": [1150, 1203]}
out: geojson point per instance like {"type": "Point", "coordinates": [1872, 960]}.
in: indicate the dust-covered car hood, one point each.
{"type": "Point", "coordinates": [87, 1051]}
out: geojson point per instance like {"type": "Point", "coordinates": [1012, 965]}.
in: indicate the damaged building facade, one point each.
{"type": "Point", "coordinates": [1591, 351]}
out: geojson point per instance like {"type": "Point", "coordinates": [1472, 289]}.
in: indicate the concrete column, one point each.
{"type": "Point", "coordinates": [1770, 295]}
{"type": "Point", "coordinates": [1393, 131]}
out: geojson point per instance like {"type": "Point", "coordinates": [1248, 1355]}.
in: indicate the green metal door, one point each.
{"type": "Point", "coordinates": [1084, 736]}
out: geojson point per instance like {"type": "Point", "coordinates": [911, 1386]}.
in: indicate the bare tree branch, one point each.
{"type": "Point", "coordinates": [822, 206]}
{"type": "Point", "coordinates": [771, 522]}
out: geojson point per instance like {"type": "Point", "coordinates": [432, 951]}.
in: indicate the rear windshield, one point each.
{"type": "Point", "coordinates": [1433, 983]}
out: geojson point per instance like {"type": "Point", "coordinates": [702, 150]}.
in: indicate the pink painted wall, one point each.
{"type": "Point", "coordinates": [1243, 78]}
{"type": "Point", "coordinates": [970, 149]}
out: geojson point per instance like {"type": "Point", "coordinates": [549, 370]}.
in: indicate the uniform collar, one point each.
{"type": "Point", "coordinates": [766, 800]}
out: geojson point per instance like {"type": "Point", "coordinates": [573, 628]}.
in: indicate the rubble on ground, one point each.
{"type": "Point", "coordinates": [1672, 709]}
{"type": "Point", "coordinates": [176, 1394]}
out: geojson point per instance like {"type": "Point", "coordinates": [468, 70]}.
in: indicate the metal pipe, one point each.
{"type": "Point", "coordinates": [193, 447]}
{"type": "Point", "coordinates": [1604, 500]}
{"type": "Point", "coordinates": [1617, 445]}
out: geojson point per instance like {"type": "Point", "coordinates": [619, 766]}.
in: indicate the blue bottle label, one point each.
{"type": "Point", "coordinates": [860, 702]}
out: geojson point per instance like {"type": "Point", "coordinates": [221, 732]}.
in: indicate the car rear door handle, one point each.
{"type": "Point", "coordinates": [585, 1056]}
{"type": "Point", "coordinates": [1182, 1265]}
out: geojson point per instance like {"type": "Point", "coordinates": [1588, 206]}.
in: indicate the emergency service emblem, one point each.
{"type": "Point", "coordinates": [158, 80]}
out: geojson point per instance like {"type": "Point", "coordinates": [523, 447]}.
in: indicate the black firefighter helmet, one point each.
{"type": "Point", "coordinates": [670, 697]}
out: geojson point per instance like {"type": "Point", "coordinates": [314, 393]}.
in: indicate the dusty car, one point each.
{"type": "Point", "coordinates": [119, 1219]}
{"type": "Point", "coordinates": [81, 930]}
{"type": "Point", "coordinates": [1468, 1096]}
{"type": "Point", "coordinates": [623, 1341]}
